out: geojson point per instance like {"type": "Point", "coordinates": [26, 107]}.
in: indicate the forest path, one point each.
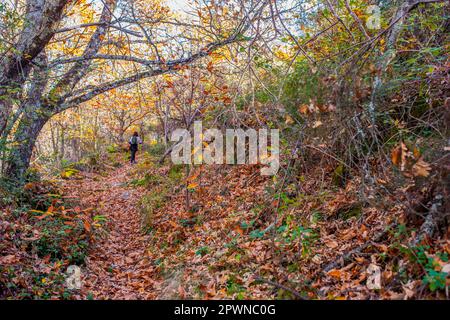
{"type": "Point", "coordinates": [116, 267]}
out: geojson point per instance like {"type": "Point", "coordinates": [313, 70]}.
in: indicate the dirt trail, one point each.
{"type": "Point", "coordinates": [117, 267]}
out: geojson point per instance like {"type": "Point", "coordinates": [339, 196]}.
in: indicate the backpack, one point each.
{"type": "Point", "coordinates": [134, 140]}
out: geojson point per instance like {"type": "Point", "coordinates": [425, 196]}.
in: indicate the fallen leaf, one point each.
{"type": "Point", "coordinates": [335, 273]}
{"type": "Point", "coordinates": [421, 168]}
{"type": "Point", "coordinates": [409, 289]}
{"type": "Point", "coordinates": [9, 259]}
{"type": "Point", "coordinates": [87, 226]}
{"type": "Point", "coordinates": [192, 185]}
{"type": "Point", "coordinates": [446, 268]}
{"type": "Point", "coordinates": [374, 277]}
{"type": "Point", "coordinates": [331, 244]}
{"type": "Point", "coordinates": [317, 124]}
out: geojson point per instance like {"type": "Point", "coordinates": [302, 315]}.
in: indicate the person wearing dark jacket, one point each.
{"type": "Point", "coordinates": [134, 142]}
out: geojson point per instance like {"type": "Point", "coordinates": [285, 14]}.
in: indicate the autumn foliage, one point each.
{"type": "Point", "coordinates": [358, 89]}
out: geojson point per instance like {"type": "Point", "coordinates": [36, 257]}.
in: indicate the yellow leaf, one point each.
{"type": "Point", "coordinates": [289, 120]}
{"type": "Point", "coordinates": [192, 185]}
{"type": "Point", "coordinates": [193, 177]}
{"type": "Point", "coordinates": [196, 149]}
{"type": "Point", "coordinates": [36, 211]}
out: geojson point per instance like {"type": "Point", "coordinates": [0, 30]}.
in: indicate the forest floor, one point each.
{"type": "Point", "coordinates": [116, 267]}
{"type": "Point", "coordinates": [328, 245]}
{"type": "Point", "coordinates": [135, 236]}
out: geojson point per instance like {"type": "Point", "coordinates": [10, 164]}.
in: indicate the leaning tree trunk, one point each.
{"type": "Point", "coordinates": [25, 138]}
{"type": "Point", "coordinates": [41, 17]}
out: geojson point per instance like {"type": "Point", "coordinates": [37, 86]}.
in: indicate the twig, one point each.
{"type": "Point", "coordinates": [275, 284]}
{"type": "Point", "coordinates": [346, 257]}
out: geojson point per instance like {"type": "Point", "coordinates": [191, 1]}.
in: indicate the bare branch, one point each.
{"type": "Point", "coordinates": [98, 24]}
{"type": "Point", "coordinates": [169, 66]}
{"type": "Point", "coordinates": [105, 57]}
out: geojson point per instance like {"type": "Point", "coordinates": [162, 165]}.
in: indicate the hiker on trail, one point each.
{"type": "Point", "coordinates": [135, 140]}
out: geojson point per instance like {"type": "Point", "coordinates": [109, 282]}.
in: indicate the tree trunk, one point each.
{"type": "Point", "coordinates": [62, 151]}
{"type": "Point", "coordinates": [54, 143]}
{"type": "Point", "coordinates": [166, 125]}
{"type": "Point", "coordinates": [25, 138]}
{"type": "Point", "coordinates": [40, 18]}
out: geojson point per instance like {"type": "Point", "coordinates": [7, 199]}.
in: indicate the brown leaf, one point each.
{"type": "Point", "coordinates": [421, 168]}
{"type": "Point", "coordinates": [9, 259]}
{"type": "Point", "coordinates": [331, 244]}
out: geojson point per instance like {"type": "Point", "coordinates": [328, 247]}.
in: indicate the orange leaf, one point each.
{"type": "Point", "coordinates": [174, 224]}
{"type": "Point", "coordinates": [87, 226]}
{"type": "Point", "coordinates": [192, 185]}
{"type": "Point", "coordinates": [335, 273]}
{"type": "Point", "coordinates": [239, 230]}
{"type": "Point", "coordinates": [181, 292]}
{"type": "Point", "coordinates": [193, 177]}
{"type": "Point", "coordinates": [395, 155]}
{"type": "Point", "coordinates": [210, 66]}
{"type": "Point", "coordinates": [304, 109]}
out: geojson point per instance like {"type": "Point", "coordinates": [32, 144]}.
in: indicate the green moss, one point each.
{"type": "Point", "coordinates": [176, 172]}
{"type": "Point", "coordinates": [339, 176]}
{"type": "Point", "coordinates": [354, 211]}
{"type": "Point", "coordinates": [151, 202]}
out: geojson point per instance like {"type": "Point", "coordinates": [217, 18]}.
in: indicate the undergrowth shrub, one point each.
{"type": "Point", "coordinates": [160, 184]}
{"type": "Point", "coordinates": [61, 239]}
{"type": "Point", "coordinates": [156, 149]}
{"type": "Point", "coordinates": [42, 229]}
